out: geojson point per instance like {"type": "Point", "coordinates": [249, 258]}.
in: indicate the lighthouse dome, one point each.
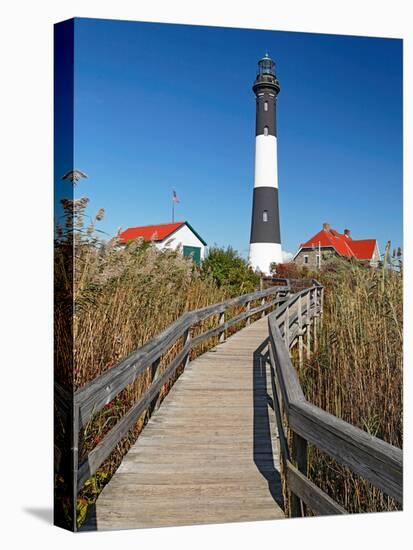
{"type": "Point", "coordinates": [266, 66]}
{"type": "Point", "coordinates": [266, 79]}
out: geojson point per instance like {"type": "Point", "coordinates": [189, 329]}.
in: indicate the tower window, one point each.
{"type": "Point", "coordinates": [265, 130]}
{"type": "Point", "coordinates": [306, 259]}
{"type": "Point", "coordinates": [265, 216]}
{"type": "Point", "coordinates": [265, 105]}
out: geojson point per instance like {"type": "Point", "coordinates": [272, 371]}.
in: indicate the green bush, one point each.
{"type": "Point", "coordinates": [230, 271]}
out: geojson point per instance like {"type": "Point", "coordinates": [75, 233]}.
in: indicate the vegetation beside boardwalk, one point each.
{"type": "Point", "coordinates": [356, 373]}
{"type": "Point", "coordinates": [230, 271]}
{"type": "Point", "coordinates": [121, 297]}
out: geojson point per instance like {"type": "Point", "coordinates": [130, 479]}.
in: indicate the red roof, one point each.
{"type": "Point", "coordinates": [343, 244]}
{"type": "Point", "coordinates": [150, 232]}
{"type": "Point", "coordinates": [363, 250]}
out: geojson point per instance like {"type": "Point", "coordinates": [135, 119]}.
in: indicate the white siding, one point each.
{"type": "Point", "coordinates": [184, 237]}
{"type": "Point", "coordinates": [376, 256]}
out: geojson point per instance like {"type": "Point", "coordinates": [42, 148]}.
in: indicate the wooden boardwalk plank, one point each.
{"type": "Point", "coordinates": [208, 454]}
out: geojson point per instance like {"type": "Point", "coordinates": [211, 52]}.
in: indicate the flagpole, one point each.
{"type": "Point", "coordinates": [174, 200]}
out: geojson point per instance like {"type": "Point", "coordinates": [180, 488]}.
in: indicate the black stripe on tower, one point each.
{"type": "Point", "coordinates": [265, 227]}
{"type": "Point", "coordinates": [266, 115]}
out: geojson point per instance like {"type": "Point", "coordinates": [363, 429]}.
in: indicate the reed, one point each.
{"type": "Point", "coordinates": [356, 373]}
{"type": "Point", "coordinates": [109, 301]}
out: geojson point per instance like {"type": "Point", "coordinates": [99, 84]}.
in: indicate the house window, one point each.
{"type": "Point", "coordinates": [265, 130]}
{"type": "Point", "coordinates": [265, 105]}
{"type": "Point", "coordinates": [306, 259]}
{"type": "Point", "coordinates": [265, 216]}
{"type": "Point", "coordinates": [318, 260]}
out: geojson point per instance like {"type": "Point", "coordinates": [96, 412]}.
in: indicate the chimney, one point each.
{"type": "Point", "coordinates": [347, 233]}
{"type": "Point", "coordinates": [326, 226]}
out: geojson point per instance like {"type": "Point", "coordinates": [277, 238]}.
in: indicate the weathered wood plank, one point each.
{"type": "Point", "coordinates": [204, 423]}
{"type": "Point", "coordinates": [299, 456]}
{"type": "Point", "coordinates": [92, 397]}
{"type": "Point", "coordinates": [318, 501]}
{"type": "Point", "coordinates": [285, 453]}
{"type": "Point", "coordinates": [366, 455]}
{"type": "Point", "coordinates": [207, 454]}
{"type": "Point", "coordinates": [288, 378]}
{"type": "Point", "coordinates": [370, 457]}
{"type": "Point", "coordinates": [96, 394]}
{"type": "Point", "coordinates": [112, 438]}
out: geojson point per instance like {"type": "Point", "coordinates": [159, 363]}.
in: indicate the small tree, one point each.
{"type": "Point", "coordinates": [229, 270]}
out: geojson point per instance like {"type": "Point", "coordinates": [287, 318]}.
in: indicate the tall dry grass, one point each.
{"type": "Point", "coordinates": [122, 296]}
{"type": "Point", "coordinates": [356, 373]}
{"type": "Point", "coordinates": [110, 300]}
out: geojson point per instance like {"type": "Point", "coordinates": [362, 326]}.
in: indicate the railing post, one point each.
{"type": "Point", "coordinates": [308, 318]}
{"type": "Point", "coordinates": [154, 404]}
{"type": "Point", "coordinates": [321, 306]}
{"type": "Point", "coordinates": [222, 322]}
{"type": "Point", "coordinates": [187, 337]}
{"type": "Point", "coordinates": [263, 311]}
{"type": "Point", "coordinates": [287, 327]}
{"type": "Point", "coordinates": [154, 368]}
{"type": "Point", "coordinates": [299, 457]}
{"type": "Point", "coordinates": [300, 332]}
{"type": "Point", "coordinates": [247, 308]}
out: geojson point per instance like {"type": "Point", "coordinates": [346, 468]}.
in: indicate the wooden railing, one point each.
{"type": "Point", "coordinates": [291, 318]}
{"type": "Point", "coordinates": [90, 399]}
{"type": "Point", "coordinates": [365, 455]}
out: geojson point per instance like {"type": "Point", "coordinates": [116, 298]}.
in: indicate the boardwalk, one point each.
{"type": "Point", "coordinates": [210, 453]}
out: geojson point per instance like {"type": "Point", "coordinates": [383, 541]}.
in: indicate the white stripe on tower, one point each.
{"type": "Point", "coordinates": [266, 173]}
{"type": "Point", "coordinates": [265, 241]}
{"type": "Point", "coordinates": [263, 255]}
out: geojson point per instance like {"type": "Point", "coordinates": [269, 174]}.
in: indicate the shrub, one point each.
{"type": "Point", "coordinates": [229, 270]}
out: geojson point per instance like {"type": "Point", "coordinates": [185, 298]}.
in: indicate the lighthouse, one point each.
{"type": "Point", "coordinates": [265, 241]}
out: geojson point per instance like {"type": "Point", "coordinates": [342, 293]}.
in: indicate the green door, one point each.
{"type": "Point", "coordinates": [194, 252]}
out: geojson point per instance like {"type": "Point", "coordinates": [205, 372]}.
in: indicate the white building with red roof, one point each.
{"type": "Point", "coordinates": [328, 242]}
{"type": "Point", "coordinates": [169, 235]}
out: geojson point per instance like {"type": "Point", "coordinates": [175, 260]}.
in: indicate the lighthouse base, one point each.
{"type": "Point", "coordinates": [262, 255]}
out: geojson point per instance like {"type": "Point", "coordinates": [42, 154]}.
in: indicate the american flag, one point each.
{"type": "Point", "coordinates": [174, 197]}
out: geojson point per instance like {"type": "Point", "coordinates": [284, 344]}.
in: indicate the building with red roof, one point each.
{"type": "Point", "coordinates": [169, 235]}
{"type": "Point", "coordinates": [328, 242]}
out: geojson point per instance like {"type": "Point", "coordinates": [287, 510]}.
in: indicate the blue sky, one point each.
{"type": "Point", "coordinates": [162, 106]}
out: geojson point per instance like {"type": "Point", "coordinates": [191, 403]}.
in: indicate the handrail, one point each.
{"type": "Point", "coordinates": [372, 458]}
{"type": "Point", "coordinates": [91, 398]}
{"type": "Point", "coordinates": [293, 317]}
{"type": "Point", "coordinates": [100, 391]}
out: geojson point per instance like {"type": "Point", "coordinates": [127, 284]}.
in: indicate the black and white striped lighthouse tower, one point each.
{"type": "Point", "coordinates": [265, 241]}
